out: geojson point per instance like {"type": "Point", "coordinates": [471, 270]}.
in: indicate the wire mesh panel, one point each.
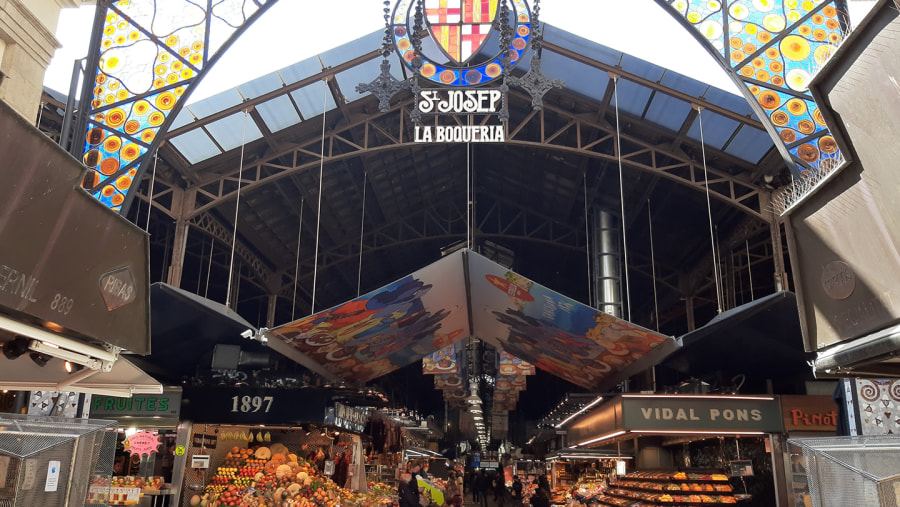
{"type": "Point", "coordinates": [846, 471]}
{"type": "Point", "coordinates": [50, 461]}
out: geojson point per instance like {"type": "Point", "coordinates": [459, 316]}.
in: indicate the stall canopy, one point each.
{"type": "Point", "coordinates": [466, 295]}
{"type": "Point", "coordinates": [125, 379]}
{"type": "Point", "coordinates": [186, 327]}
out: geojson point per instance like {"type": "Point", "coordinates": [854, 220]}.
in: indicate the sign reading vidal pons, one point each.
{"type": "Point", "coordinates": [437, 102]}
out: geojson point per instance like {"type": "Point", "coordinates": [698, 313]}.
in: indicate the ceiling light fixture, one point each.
{"type": "Point", "coordinates": [73, 367]}
{"type": "Point", "coordinates": [40, 359]}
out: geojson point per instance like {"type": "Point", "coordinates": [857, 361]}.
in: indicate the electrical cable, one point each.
{"type": "Point", "coordinates": [712, 238]}
{"type": "Point", "coordinates": [237, 208]}
{"type": "Point", "coordinates": [319, 209]}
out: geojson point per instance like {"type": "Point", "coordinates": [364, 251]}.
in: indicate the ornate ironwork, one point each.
{"type": "Point", "coordinates": [384, 86]}
{"type": "Point", "coordinates": [535, 82]}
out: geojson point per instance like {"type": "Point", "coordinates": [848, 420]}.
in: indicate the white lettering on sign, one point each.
{"type": "Point", "coordinates": [17, 283]}
{"type": "Point", "coordinates": [714, 414]}
{"type": "Point", "coordinates": [247, 404]}
{"type": "Point", "coordinates": [484, 101]}
{"type": "Point", "coordinates": [460, 134]}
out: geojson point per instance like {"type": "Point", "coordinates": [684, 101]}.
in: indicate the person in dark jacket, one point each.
{"type": "Point", "coordinates": [541, 497]}
{"type": "Point", "coordinates": [517, 490]}
{"type": "Point", "coordinates": [409, 494]}
{"type": "Point", "coordinates": [483, 487]}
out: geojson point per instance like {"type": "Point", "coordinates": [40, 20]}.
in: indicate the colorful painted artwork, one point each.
{"type": "Point", "coordinates": [388, 328]}
{"type": "Point", "coordinates": [151, 53]}
{"type": "Point", "coordinates": [458, 30]}
{"type": "Point", "coordinates": [879, 406]}
{"type": "Point", "coordinates": [442, 362]}
{"type": "Point", "coordinates": [554, 333]}
{"type": "Point", "coordinates": [775, 47]}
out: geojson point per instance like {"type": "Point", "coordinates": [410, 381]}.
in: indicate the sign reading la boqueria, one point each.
{"type": "Point", "coordinates": [446, 102]}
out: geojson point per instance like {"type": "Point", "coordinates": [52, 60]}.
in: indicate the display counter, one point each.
{"type": "Point", "coordinates": [665, 488]}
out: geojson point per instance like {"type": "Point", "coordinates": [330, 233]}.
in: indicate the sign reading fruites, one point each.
{"type": "Point", "coordinates": [438, 102]}
{"type": "Point", "coordinates": [162, 405]}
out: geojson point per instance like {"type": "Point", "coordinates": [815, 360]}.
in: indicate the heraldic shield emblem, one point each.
{"type": "Point", "coordinates": [460, 27]}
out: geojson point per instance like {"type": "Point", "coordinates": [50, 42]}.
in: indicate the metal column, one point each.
{"type": "Point", "coordinates": [606, 255]}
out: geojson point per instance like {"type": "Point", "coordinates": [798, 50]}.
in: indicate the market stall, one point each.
{"type": "Point", "coordinates": [262, 447]}
{"type": "Point", "coordinates": [688, 449]}
{"type": "Point", "coordinates": [804, 417]}
{"type": "Point", "coordinates": [147, 439]}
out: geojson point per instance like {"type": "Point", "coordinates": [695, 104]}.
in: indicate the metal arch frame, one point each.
{"type": "Point", "coordinates": [646, 157]}
{"type": "Point", "coordinates": [92, 68]}
{"type": "Point", "coordinates": [744, 83]}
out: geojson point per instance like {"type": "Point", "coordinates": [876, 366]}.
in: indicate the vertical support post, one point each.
{"type": "Point", "coordinates": [183, 202]}
{"type": "Point", "coordinates": [270, 313]}
{"type": "Point", "coordinates": [781, 279]}
{"type": "Point", "coordinates": [689, 312]}
{"type": "Point", "coordinates": [779, 471]}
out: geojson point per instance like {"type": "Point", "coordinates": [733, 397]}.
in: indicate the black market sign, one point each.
{"type": "Point", "coordinates": [455, 102]}
{"type": "Point", "coordinates": [721, 414]}
{"type": "Point", "coordinates": [166, 405]}
{"type": "Point", "coordinates": [253, 406]}
{"type": "Point", "coordinates": [346, 417]}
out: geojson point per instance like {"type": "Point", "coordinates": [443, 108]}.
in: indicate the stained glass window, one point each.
{"type": "Point", "coordinates": [150, 54]}
{"type": "Point", "coordinates": [774, 47]}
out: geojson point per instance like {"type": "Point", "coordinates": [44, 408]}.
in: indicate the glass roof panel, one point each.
{"type": "Point", "coordinates": [717, 130]}
{"type": "Point", "coordinates": [229, 131]}
{"type": "Point", "coordinates": [261, 85]}
{"type": "Point", "coordinates": [579, 78]}
{"type": "Point", "coordinates": [278, 113]}
{"type": "Point", "coordinates": [750, 144]}
{"type": "Point", "coordinates": [363, 73]}
{"type": "Point", "coordinates": [736, 103]}
{"type": "Point", "coordinates": [352, 49]}
{"type": "Point", "coordinates": [581, 46]}
{"type": "Point", "coordinates": [301, 70]}
{"type": "Point", "coordinates": [642, 68]}
{"type": "Point", "coordinates": [195, 145]}
{"type": "Point", "coordinates": [309, 99]}
{"type": "Point", "coordinates": [684, 84]}
{"type": "Point", "coordinates": [632, 97]}
{"type": "Point", "coordinates": [667, 111]}
{"type": "Point", "coordinates": [184, 117]}
{"type": "Point", "coordinates": [216, 103]}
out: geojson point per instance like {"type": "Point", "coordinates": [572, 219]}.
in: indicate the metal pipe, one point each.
{"type": "Point", "coordinates": [607, 277]}
{"type": "Point", "coordinates": [66, 130]}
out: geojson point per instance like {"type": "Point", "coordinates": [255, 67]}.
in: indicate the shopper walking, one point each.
{"type": "Point", "coordinates": [409, 494]}
{"type": "Point", "coordinates": [484, 486]}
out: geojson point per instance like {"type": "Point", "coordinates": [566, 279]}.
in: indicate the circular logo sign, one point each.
{"type": "Point", "coordinates": [455, 51]}
{"type": "Point", "coordinates": [179, 450]}
{"type": "Point", "coordinates": [838, 280]}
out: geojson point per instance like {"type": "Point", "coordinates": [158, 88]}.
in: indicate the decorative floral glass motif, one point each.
{"type": "Point", "coordinates": [150, 53]}
{"type": "Point", "coordinates": [775, 47]}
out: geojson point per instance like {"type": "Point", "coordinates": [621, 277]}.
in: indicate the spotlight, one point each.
{"type": "Point", "coordinates": [73, 367]}
{"type": "Point", "coordinates": [40, 359]}
{"type": "Point", "coordinates": [16, 347]}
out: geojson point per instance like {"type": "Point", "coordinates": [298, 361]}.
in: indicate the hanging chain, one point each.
{"type": "Point", "coordinates": [387, 42]}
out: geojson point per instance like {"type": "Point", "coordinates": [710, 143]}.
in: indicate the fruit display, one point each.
{"type": "Point", "coordinates": [275, 477]}
{"type": "Point", "coordinates": [662, 488]}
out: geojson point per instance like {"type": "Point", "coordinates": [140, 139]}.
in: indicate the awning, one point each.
{"type": "Point", "coordinates": [762, 337]}
{"type": "Point", "coordinates": [125, 379]}
{"type": "Point", "coordinates": [466, 295]}
{"type": "Point", "coordinates": [186, 327]}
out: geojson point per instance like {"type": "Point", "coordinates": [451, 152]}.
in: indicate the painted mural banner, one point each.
{"type": "Point", "coordinates": [423, 314]}
{"type": "Point", "coordinates": [388, 328]}
{"type": "Point", "coordinates": [553, 332]}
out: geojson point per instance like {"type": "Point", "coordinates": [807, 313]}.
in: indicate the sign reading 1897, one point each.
{"type": "Point", "coordinates": [245, 404]}
{"type": "Point", "coordinates": [439, 102]}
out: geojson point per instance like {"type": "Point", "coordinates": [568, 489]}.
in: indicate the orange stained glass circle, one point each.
{"type": "Point", "coordinates": [99, 117]}
{"type": "Point", "coordinates": [179, 90]}
{"type": "Point", "coordinates": [523, 18]}
{"type": "Point", "coordinates": [196, 58]}
{"type": "Point", "coordinates": [403, 44]}
{"type": "Point", "coordinates": [95, 135]}
{"type": "Point", "coordinates": [817, 116]}
{"type": "Point", "coordinates": [122, 95]}
{"type": "Point", "coordinates": [808, 153]}
{"type": "Point", "coordinates": [120, 40]}
{"type": "Point", "coordinates": [780, 118]}
{"type": "Point", "coordinates": [197, 46]}
{"type": "Point", "coordinates": [834, 37]}
{"type": "Point", "coordinates": [159, 83]}
{"type": "Point", "coordinates": [113, 85]}
{"type": "Point", "coordinates": [828, 145]}
{"type": "Point", "coordinates": [447, 76]}
{"type": "Point", "coordinates": [796, 107]}
{"type": "Point", "coordinates": [132, 172]}
{"type": "Point", "coordinates": [109, 30]}
{"type": "Point", "coordinates": [409, 56]}
{"type": "Point", "coordinates": [523, 31]}
{"type": "Point", "coordinates": [156, 118]}
{"type": "Point", "coordinates": [130, 152]}
{"type": "Point", "coordinates": [736, 42]}
{"type": "Point", "coordinates": [172, 78]}
{"type": "Point", "coordinates": [135, 35]}
{"type": "Point", "coordinates": [148, 135]}
{"type": "Point", "coordinates": [764, 37]}
{"type": "Point", "coordinates": [818, 19]}
{"type": "Point", "coordinates": [772, 53]}
{"type": "Point", "coordinates": [171, 40]}
{"type": "Point", "coordinates": [118, 199]}
{"type": "Point", "coordinates": [759, 63]}
{"type": "Point", "coordinates": [112, 144]}
{"type": "Point", "coordinates": [92, 158]}
{"type": "Point", "coordinates": [777, 80]}
{"type": "Point", "coordinates": [819, 34]}
{"type": "Point", "coordinates": [177, 65]}
{"type": "Point", "coordinates": [754, 90]}
{"type": "Point", "coordinates": [141, 107]}
{"type": "Point", "coordinates": [519, 44]}
{"type": "Point", "coordinates": [776, 67]}
{"type": "Point", "coordinates": [737, 56]}
{"type": "Point", "coordinates": [109, 99]}
{"type": "Point", "coordinates": [788, 136]}
{"type": "Point", "coordinates": [768, 99]}
{"type": "Point", "coordinates": [164, 57]}
{"type": "Point", "coordinates": [109, 166]}
{"type": "Point", "coordinates": [165, 101]}
{"type": "Point", "coordinates": [829, 11]}
{"type": "Point", "coordinates": [101, 78]}
{"type": "Point", "coordinates": [763, 76]}
{"type": "Point", "coordinates": [795, 48]}
{"type": "Point", "coordinates": [493, 70]}
{"type": "Point", "coordinates": [804, 30]}
{"type": "Point", "coordinates": [832, 24]}
{"type": "Point", "coordinates": [132, 126]}
{"type": "Point", "coordinates": [184, 51]}
{"type": "Point", "coordinates": [123, 182]}
{"type": "Point", "coordinates": [187, 74]}
{"type": "Point", "coordinates": [428, 70]}
{"type": "Point", "coordinates": [806, 127]}
{"type": "Point", "coordinates": [108, 191]}
{"type": "Point", "coordinates": [115, 118]}
{"type": "Point", "coordinates": [160, 69]}
{"type": "Point", "coordinates": [749, 48]}
{"type": "Point", "coordinates": [747, 71]}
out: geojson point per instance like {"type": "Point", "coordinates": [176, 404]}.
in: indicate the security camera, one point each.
{"type": "Point", "coordinates": [248, 334]}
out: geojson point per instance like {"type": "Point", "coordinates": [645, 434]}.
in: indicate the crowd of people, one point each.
{"type": "Point", "coordinates": [486, 489]}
